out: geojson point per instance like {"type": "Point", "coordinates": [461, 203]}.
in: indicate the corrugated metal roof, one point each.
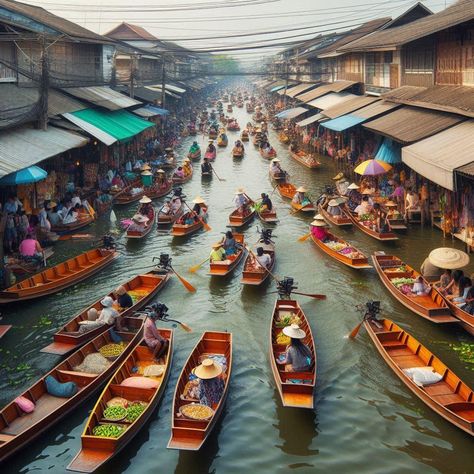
{"type": "Point", "coordinates": [294, 91]}
{"type": "Point", "coordinates": [158, 89]}
{"type": "Point", "coordinates": [457, 13]}
{"type": "Point", "coordinates": [466, 169]}
{"type": "Point", "coordinates": [375, 109]}
{"type": "Point", "coordinates": [408, 124]}
{"type": "Point", "coordinates": [455, 99]}
{"type": "Point", "coordinates": [291, 113]}
{"type": "Point", "coordinates": [96, 132]}
{"type": "Point", "coordinates": [103, 96]}
{"type": "Point", "coordinates": [330, 100]}
{"type": "Point", "coordinates": [438, 156]}
{"type": "Point", "coordinates": [143, 93]}
{"type": "Point", "coordinates": [348, 106]}
{"type": "Point", "coordinates": [310, 120]}
{"type": "Point", "coordinates": [337, 86]}
{"type": "Point", "coordinates": [23, 147]}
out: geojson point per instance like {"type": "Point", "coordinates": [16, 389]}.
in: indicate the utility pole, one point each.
{"type": "Point", "coordinates": [163, 81]}
{"type": "Point", "coordinates": [286, 80]}
{"type": "Point", "coordinates": [44, 86]}
{"type": "Point", "coordinates": [132, 75]}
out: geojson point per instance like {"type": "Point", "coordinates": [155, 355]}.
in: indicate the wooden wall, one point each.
{"type": "Point", "coordinates": [418, 63]}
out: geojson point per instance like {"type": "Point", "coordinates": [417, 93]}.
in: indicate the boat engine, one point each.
{"type": "Point", "coordinates": [164, 264]}
{"type": "Point", "coordinates": [285, 287]}
{"type": "Point", "coordinates": [108, 242]}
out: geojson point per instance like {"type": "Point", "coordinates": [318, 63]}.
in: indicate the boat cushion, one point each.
{"type": "Point", "coordinates": [140, 382]}
{"type": "Point", "coordinates": [58, 389]}
{"type": "Point", "coordinates": [24, 404]}
{"type": "Point", "coordinates": [423, 375]}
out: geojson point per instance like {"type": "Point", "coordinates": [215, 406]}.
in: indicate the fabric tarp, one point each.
{"type": "Point", "coordinates": [23, 147]}
{"type": "Point", "coordinates": [330, 100]}
{"type": "Point", "coordinates": [103, 96]}
{"type": "Point", "coordinates": [119, 124]}
{"type": "Point", "coordinates": [296, 90]}
{"type": "Point", "coordinates": [277, 88]}
{"type": "Point", "coordinates": [342, 123]}
{"type": "Point", "coordinates": [389, 151]}
{"type": "Point", "coordinates": [310, 120]}
{"type": "Point", "coordinates": [438, 156]}
{"type": "Point", "coordinates": [291, 113]}
{"type": "Point", "coordinates": [150, 111]}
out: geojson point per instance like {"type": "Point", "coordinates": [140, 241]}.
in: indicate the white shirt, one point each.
{"type": "Point", "coordinates": [264, 260]}
{"type": "Point", "coordinates": [175, 205]}
{"type": "Point", "coordinates": [107, 316]}
{"type": "Point", "coordinates": [239, 200]}
{"type": "Point", "coordinates": [76, 200]}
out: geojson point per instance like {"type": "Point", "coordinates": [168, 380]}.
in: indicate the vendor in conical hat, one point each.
{"type": "Point", "coordinates": [241, 200]}
{"type": "Point", "coordinates": [334, 207]}
{"type": "Point", "coordinates": [300, 195]}
{"type": "Point", "coordinates": [298, 356]}
{"type": "Point", "coordinates": [210, 387]}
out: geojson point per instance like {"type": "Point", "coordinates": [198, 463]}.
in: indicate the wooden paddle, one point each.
{"type": "Point", "coordinates": [355, 331]}
{"type": "Point", "coordinates": [305, 237]}
{"type": "Point", "coordinates": [301, 208]}
{"type": "Point", "coordinates": [218, 177]}
{"type": "Point", "coordinates": [195, 268]}
{"type": "Point", "coordinates": [76, 236]}
{"type": "Point", "coordinates": [184, 326]}
{"type": "Point", "coordinates": [207, 227]}
{"type": "Point", "coordinates": [185, 283]}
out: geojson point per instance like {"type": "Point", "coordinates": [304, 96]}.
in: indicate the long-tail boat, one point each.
{"type": "Point", "coordinates": [238, 152]}
{"type": "Point", "coordinates": [156, 191]}
{"type": "Point", "coordinates": [187, 433]}
{"type": "Point", "coordinates": [196, 156]}
{"type": "Point", "coordinates": [237, 219]}
{"type": "Point", "coordinates": [305, 159]}
{"type": "Point", "coordinates": [222, 141]}
{"type": "Point", "coordinates": [340, 220]}
{"type": "Point", "coordinates": [227, 266]}
{"type": "Point", "coordinates": [168, 218]}
{"type": "Point", "coordinates": [18, 429]}
{"type": "Point", "coordinates": [466, 320]}
{"type": "Point", "coordinates": [286, 190]}
{"type": "Point", "coordinates": [253, 273]}
{"type": "Point", "coordinates": [268, 155]}
{"type": "Point", "coordinates": [97, 450]}
{"type": "Point", "coordinates": [244, 136]}
{"type": "Point", "coordinates": [450, 398]}
{"type": "Point", "coordinates": [139, 233]}
{"type": "Point", "coordinates": [180, 229]}
{"type": "Point", "coordinates": [278, 177]}
{"type": "Point", "coordinates": [368, 229]}
{"type": "Point", "coordinates": [430, 306]}
{"type": "Point", "coordinates": [210, 155]}
{"type": "Point", "coordinates": [83, 220]}
{"type": "Point", "coordinates": [126, 196]}
{"type": "Point", "coordinates": [341, 251]}
{"type": "Point", "coordinates": [268, 217]}
{"type": "Point", "coordinates": [296, 389]}
{"type": "Point", "coordinates": [178, 180]}
{"type": "Point", "coordinates": [142, 288]}
{"type": "Point", "coordinates": [60, 276]}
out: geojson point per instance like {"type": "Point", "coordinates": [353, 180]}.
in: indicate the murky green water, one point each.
{"type": "Point", "coordinates": [365, 419]}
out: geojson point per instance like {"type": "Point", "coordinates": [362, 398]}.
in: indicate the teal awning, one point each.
{"type": "Point", "coordinates": [343, 122]}
{"type": "Point", "coordinates": [389, 151]}
{"type": "Point", "coordinates": [109, 126]}
{"type": "Point", "coordinates": [277, 88]}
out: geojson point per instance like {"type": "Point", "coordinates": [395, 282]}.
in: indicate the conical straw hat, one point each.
{"type": "Point", "coordinates": [448, 258]}
{"type": "Point", "coordinates": [208, 369]}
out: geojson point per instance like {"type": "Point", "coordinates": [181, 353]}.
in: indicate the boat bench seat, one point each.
{"type": "Point", "coordinates": [80, 378]}
{"type": "Point", "coordinates": [4, 438]}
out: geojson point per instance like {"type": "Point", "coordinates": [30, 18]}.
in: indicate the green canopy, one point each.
{"type": "Point", "coordinates": [120, 124]}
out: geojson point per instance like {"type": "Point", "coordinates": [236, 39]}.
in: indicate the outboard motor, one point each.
{"type": "Point", "coordinates": [285, 287]}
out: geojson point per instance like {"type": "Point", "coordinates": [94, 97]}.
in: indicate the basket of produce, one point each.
{"type": "Point", "coordinates": [117, 401]}
{"type": "Point", "coordinates": [115, 413]}
{"type": "Point", "coordinates": [134, 410]}
{"type": "Point", "coordinates": [283, 339]}
{"type": "Point", "coordinates": [112, 351]}
{"type": "Point", "coordinates": [108, 431]}
{"type": "Point", "coordinates": [287, 320]}
{"type": "Point", "coordinates": [196, 411]}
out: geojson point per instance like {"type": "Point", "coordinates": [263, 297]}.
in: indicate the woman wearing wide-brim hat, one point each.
{"type": "Point", "coordinates": [298, 356]}
{"type": "Point", "coordinates": [300, 195]}
{"type": "Point", "coordinates": [318, 228]}
{"type": "Point", "coordinates": [211, 383]}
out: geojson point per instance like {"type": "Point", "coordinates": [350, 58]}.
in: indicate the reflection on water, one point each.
{"type": "Point", "coordinates": [365, 421]}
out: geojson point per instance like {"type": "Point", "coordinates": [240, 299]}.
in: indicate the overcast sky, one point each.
{"type": "Point", "coordinates": [185, 21]}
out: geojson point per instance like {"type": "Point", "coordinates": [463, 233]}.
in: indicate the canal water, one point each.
{"type": "Point", "coordinates": [364, 421]}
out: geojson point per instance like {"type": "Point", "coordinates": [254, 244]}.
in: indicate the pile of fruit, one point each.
{"type": "Point", "coordinates": [112, 349]}
{"type": "Point", "coordinates": [108, 431]}
{"type": "Point", "coordinates": [287, 319]}
{"type": "Point", "coordinates": [283, 339]}
{"type": "Point", "coordinates": [135, 410]}
{"type": "Point", "coordinates": [115, 413]}
{"type": "Point", "coordinates": [196, 411]}
{"type": "Point", "coordinates": [398, 282]}
{"type": "Point", "coordinates": [137, 295]}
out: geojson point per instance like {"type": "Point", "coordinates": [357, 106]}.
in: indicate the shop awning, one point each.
{"type": "Point", "coordinates": [150, 111]}
{"type": "Point", "coordinates": [337, 86]}
{"type": "Point", "coordinates": [389, 151]}
{"type": "Point", "coordinates": [340, 124]}
{"type": "Point", "coordinates": [295, 91]}
{"type": "Point", "coordinates": [310, 120]}
{"type": "Point", "coordinates": [167, 91]}
{"type": "Point", "coordinates": [408, 124]}
{"type": "Point", "coordinates": [103, 96]}
{"type": "Point", "coordinates": [291, 113]}
{"type": "Point", "coordinates": [23, 147]}
{"type": "Point", "coordinates": [330, 100]}
{"type": "Point", "coordinates": [375, 109]}
{"type": "Point", "coordinates": [348, 106]}
{"type": "Point", "coordinates": [109, 126]}
{"type": "Point", "coordinates": [438, 156]}
{"type": "Point", "coordinates": [277, 88]}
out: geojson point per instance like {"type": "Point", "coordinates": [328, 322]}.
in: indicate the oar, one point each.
{"type": "Point", "coordinates": [185, 283]}
{"type": "Point", "coordinates": [184, 326]}
{"type": "Point", "coordinates": [301, 208]}
{"type": "Point", "coordinates": [195, 268]}
{"type": "Point", "coordinates": [355, 331]}
{"type": "Point", "coordinates": [207, 227]}
{"type": "Point", "coordinates": [305, 237]}
{"type": "Point", "coordinates": [311, 295]}
{"type": "Point", "coordinates": [218, 177]}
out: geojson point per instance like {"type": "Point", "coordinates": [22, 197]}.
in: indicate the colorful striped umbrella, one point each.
{"type": "Point", "coordinates": [372, 168]}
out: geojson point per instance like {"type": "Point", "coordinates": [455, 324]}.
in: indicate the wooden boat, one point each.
{"type": "Point", "coordinates": [286, 190]}
{"type": "Point", "coordinates": [169, 163]}
{"type": "Point", "coordinates": [432, 306]}
{"type": "Point", "coordinates": [22, 266]}
{"type": "Point", "coordinates": [143, 288]}
{"type": "Point", "coordinates": [268, 217]}
{"type": "Point", "coordinates": [466, 320]}
{"type": "Point", "coordinates": [238, 152]}
{"type": "Point", "coordinates": [222, 142]}
{"type": "Point", "coordinates": [59, 277]}
{"type": "Point", "coordinates": [95, 450]}
{"type": "Point", "coordinates": [196, 156]}
{"type": "Point", "coordinates": [210, 155]}
{"type": "Point", "coordinates": [236, 219]}
{"type": "Point", "coordinates": [139, 234]}
{"type": "Point", "coordinates": [309, 207]}
{"type": "Point", "coordinates": [233, 127]}
{"type": "Point", "coordinates": [182, 230]}
{"type": "Point", "coordinates": [383, 236]}
{"type": "Point", "coordinates": [341, 220]}
{"type": "Point", "coordinates": [244, 136]}
{"type": "Point", "coordinates": [169, 218]}
{"type": "Point", "coordinates": [227, 266]}
{"type": "Point", "coordinates": [125, 196]}
{"type": "Point", "coordinates": [18, 429]}
{"type": "Point", "coordinates": [4, 328]}
{"type": "Point", "coordinates": [177, 180]}
{"type": "Point", "coordinates": [268, 155]}
{"type": "Point", "coordinates": [450, 398]}
{"type": "Point", "coordinates": [305, 159]}
{"type": "Point", "coordinates": [212, 134]}
{"type": "Point", "coordinates": [155, 192]}
{"type": "Point", "coordinates": [355, 259]}
{"type": "Point", "coordinates": [189, 434]}
{"type": "Point", "coordinates": [229, 108]}
{"type": "Point", "coordinates": [285, 139]}
{"type": "Point", "coordinates": [83, 220]}
{"type": "Point", "coordinates": [253, 273]}
{"type": "Point", "coordinates": [278, 177]}
{"type": "Point", "coordinates": [296, 389]}
{"type": "Point", "coordinates": [206, 174]}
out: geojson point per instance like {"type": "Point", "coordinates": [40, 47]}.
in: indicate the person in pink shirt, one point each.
{"type": "Point", "coordinates": [318, 228]}
{"type": "Point", "coordinates": [154, 340]}
{"type": "Point", "coordinates": [30, 247]}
